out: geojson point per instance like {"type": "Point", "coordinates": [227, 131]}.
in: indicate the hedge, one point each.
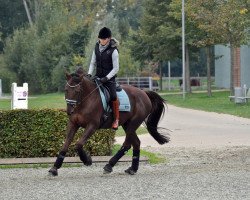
{"type": "Point", "coordinates": [41, 133]}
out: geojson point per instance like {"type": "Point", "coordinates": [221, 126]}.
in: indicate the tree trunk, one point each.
{"type": "Point", "coordinates": [160, 71]}
{"type": "Point", "coordinates": [235, 69]}
{"type": "Point", "coordinates": [209, 58]}
{"type": "Point", "coordinates": [36, 9]}
{"type": "Point", "coordinates": [27, 12]}
{"type": "Point", "coordinates": [232, 71]}
{"type": "Point", "coordinates": [187, 72]}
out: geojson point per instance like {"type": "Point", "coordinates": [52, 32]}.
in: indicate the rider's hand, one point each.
{"type": "Point", "coordinates": [104, 79]}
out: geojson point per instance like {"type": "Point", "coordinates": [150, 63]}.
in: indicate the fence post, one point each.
{"type": "Point", "coordinates": [150, 83]}
{"type": "Point", "coordinates": [1, 91]}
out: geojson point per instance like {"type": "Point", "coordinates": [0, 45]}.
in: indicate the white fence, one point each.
{"type": "Point", "coordinates": [172, 83]}
{"type": "Point", "coordinates": [145, 83]}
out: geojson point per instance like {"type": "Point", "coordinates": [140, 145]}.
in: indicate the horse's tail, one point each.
{"type": "Point", "coordinates": [154, 117]}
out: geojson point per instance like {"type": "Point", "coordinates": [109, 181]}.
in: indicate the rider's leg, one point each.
{"type": "Point", "coordinates": [114, 103]}
{"type": "Point", "coordinates": [115, 108]}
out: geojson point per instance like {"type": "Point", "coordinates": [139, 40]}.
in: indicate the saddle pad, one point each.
{"type": "Point", "coordinates": [124, 103]}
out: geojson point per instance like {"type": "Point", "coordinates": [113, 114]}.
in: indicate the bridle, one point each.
{"type": "Point", "coordinates": [78, 101]}
{"type": "Point", "coordinates": [72, 102]}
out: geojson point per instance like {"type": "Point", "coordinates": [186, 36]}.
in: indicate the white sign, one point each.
{"type": "Point", "coordinates": [19, 98]}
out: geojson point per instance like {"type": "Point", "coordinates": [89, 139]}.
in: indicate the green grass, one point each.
{"type": "Point", "coordinates": [152, 157]}
{"type": "Point", "coordinates": [36, 166]}
{"type": "Point", "coordinates": [5, 104]}
{"type": "Point", "coordinates": [54, 100]}
{"type": "Point", "coordinates": [140, 131]}
{"type": "Point", "coordinates": [219, 102]}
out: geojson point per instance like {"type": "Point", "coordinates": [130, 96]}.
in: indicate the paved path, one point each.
{"type": "Point", "coordinates": [192, 128]}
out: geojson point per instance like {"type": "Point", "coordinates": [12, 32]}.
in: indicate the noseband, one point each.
{"type": "Point", "coordinates": [72, 102]}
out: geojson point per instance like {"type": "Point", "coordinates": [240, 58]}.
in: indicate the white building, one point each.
{"type": "Point", "coordinates": [223, 65]}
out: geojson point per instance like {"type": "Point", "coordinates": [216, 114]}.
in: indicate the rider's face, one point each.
{"type": "Point", "coordinates": [104, 41]}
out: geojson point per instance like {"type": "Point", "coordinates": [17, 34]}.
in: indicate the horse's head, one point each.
{"type": "Point", "coordinates": [73, 91]}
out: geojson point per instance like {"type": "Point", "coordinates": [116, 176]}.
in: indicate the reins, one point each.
{"type": "Point", "coordinates": [91, 92]}
{"type": "Point", "coordinates": [74, 103]}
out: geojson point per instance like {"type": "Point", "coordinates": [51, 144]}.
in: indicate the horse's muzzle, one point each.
{"type": "Point", "coordinates": [70, 109]}
{"type": "Point", "coordinates": [71, 104]}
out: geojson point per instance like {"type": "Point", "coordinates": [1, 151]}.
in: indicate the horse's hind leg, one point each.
{"type": "Point", "coordinates": [134, 140]}
{"type": "Point", "coordinates": [112, 162]}
{"type": "Point", "coordinates": [131, 138]}
{"type": "Point", "coordinates": [136, 154]}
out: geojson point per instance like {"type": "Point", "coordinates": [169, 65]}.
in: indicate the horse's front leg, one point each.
{"type": "Point", "coordinates": [71, 130]}
{"type": "Point", "coordinates": [84, 157]}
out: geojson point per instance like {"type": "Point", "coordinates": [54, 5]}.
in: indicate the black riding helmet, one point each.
{"type": "Point", "coordinates": [104, 33]}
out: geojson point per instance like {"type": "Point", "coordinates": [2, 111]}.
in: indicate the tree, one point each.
{"type": "Point", "coordinates": [12, 16]}
{"type": "Point", "coordinates": [190, 37]}
{"type": "Point", "coordinates": [158, 34]}
{"type": "Point", "coordinates": [127, 12]}
{"type": "Point", "coordinates": [37, 53]}
{"type": "Point", "coordinates": [222, 22]}
{"type": "Point", "coordinates": [200, 38]}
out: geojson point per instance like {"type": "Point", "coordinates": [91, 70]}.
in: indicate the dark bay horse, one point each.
{"type": "Point", "coordinates": [84, 108]}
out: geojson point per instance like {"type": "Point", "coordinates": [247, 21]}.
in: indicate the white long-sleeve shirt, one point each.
{"type": "Point", "coordinates": [115, 61]}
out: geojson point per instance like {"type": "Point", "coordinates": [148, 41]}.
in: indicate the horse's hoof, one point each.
{"type": "Point", "coordinates": [88, 162]}
{"type": "Point", "coordinates": [130, 171]}
{"type": "Point", "coordinates": [53, 172]}
{"type": "Point", "coordinates": [107, 169]}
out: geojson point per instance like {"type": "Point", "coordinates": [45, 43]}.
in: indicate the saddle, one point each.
{"type": "Point", "coordinates": [124, 103]}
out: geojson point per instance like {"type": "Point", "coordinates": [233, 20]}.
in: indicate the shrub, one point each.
{"type": "Point", "coordinates": [41, 133]}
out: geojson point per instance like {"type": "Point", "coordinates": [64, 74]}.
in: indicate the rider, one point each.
{"type": "Point", "coordinates": [105, 59]}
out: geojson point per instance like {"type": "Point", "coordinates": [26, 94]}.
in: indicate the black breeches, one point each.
{"type": "Point", "coordinates": [112, 89]}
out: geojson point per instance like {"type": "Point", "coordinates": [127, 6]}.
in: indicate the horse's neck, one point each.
{"type": "Point", "coordinates": [88, 87]}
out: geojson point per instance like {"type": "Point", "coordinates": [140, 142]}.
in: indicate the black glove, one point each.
{"type": "Point", "coordinates": [104, 79]}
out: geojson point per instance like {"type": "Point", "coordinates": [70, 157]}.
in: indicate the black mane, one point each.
{"type": "Point", "coordinates": [76, 77]}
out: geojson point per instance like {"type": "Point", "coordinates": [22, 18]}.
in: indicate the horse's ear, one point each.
{"type": "Point", "coordinates": [67, 75]}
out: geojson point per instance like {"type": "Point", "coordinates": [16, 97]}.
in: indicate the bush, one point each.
{"type": "Point", "coordinates": [41, 133]}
